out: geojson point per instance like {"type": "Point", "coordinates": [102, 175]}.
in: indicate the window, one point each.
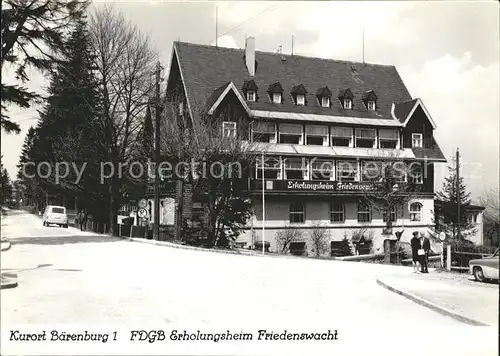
{"type": "Point", "coordinates": [366, 138]}
{"type": "Point", "coordinates": [371, 105]}
{"type": "Point", "coordinates": [291, 134]}
{"type": "Point", "coordinates": [272, 168]}
{"type": "Point", "coordinates": [229, 129]}
{"type": "Point", "coordinates": [325, 102]}
{"type": "Point", "coordinates": [347, 104]}
{"type": "Point", "coordinates": [472, 218]}
{"type": "Point", "coordinates": [341, 136]}
{"type": "Point", "coordinates": [317, 135]}
{"type": "Point", "coordinates": [295, 168]}
{"type": "Point", "coordinates": [251, 95]}
{"type": "Point", "coordinates": [337, 213]}
{"type": "Point", "coordinates": [415, 173]}
{"type": "Point", "coordinates": [301, 99]}
{"type": "Point", "coordinates": [415, 212]}
{"type": "Point", "coordinates": [321, 170]}
{"type": "Point", "coordinates": [388, 138]}
{"type": "Point", "coordinates": [264, 132]}
{"type": "Point", "coordinates": [364, 212]}
{"type": "Point", "coordinates": [392, 215]}
{"type": "Point", "coordinates": [416, 140]}
{"type": "Point", "coordinates": [371, 171]}
{"type": "Point", "coordinates": [297, 213]}
{"type": "Point", "coordinates": [277, 98]}
{"type": "Point", "coordinates": [347, 171]}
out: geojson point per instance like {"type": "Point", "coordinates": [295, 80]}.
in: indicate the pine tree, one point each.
{"type": "Point", "coordinates": [33, 34]}
{"type": "Point", "coordinates": [447, 216]}
{"type": "Point", "coordinates": [5, 184]}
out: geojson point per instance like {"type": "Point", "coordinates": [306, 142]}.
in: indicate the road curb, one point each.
{"type": "Point", "coordinates": [8, 283]}
{"type": "Point", "coordinates": [430, 305]}
{"type": "Point", "coordinates": [187, 247]}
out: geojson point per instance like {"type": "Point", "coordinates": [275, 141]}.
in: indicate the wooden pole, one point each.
{"type": "Point", "coordinates": [458, 194]}
{"type": "Point", "coordinates": [448, 257]}
{"type": "Point", "coordinates": [156, 232]}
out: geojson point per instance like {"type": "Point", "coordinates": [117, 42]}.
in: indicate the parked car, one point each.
{"type": "Point", "coordinates": [485, 268]}
{"type": "Point", "coordinates": [55, 215]}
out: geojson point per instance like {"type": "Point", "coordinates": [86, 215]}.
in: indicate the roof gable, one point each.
{"type": "Point", "coordinates": [206, 68]}
{"type": "Point", "coordinates": [275, 88]}
{"type": "Point", "coordinates": [369, 96]}
{"type": "Point", "coordinates": [249, 85]}
{"type": "Point", "coordinates": [404, 111]}
{"type": "Point", "coordinates": [324, 91]}
{"type": "Point", "coordinates": [299, 89]}
{"type": "Point", "coordinates": [224, 90]}
{"type": "Point", "coordinates": [346, 94]}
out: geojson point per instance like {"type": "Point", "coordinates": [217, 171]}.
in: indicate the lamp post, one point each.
{"type": "Point", "coordinates": [263, 208]}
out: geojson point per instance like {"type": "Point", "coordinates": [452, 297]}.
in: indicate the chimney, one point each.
{"type": "Point", "coordinates": [250, 55]}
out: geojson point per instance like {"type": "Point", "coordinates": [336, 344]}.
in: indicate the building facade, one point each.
{"type": "Point", "coordinates": [325, 131]}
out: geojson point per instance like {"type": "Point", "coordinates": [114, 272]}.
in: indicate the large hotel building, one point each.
{"type": "Point", "coordinates": [322, 123]}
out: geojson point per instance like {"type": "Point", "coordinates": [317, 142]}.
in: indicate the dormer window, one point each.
{"type": "Point", "coordinates": [347, 104]}
{"type": "Point", "coordinates": [275, 93]}
{"type": "Point", "coordinates": [346, 98]}
{"type": "Point", "coordinates": [251, 95]}
{"type": "Point", "coordinates": [324, 94]}
{"type": "Point", "coordinates": [299, 94]}
{"type": "Point", "coordinates": [416, 140]}
{"type": "Point", "coordinates": [370, 100]}
{"type": "Point", "coordinates": [325, 102]}
{"type": "Point", "coordinates": [250, 90]}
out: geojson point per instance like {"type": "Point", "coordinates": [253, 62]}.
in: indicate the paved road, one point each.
{"type": "Point", "coordinates": [69, 277]}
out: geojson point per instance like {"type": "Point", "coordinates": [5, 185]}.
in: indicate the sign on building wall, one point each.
{"type": "Point", "coordinates": [297, 185]}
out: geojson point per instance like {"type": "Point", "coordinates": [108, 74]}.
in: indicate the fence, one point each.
{"type": "Point", "coordinates": [457, 257]}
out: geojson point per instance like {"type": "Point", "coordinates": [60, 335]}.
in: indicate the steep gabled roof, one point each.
{"type": "Point", "coordinates": [275, 88]}
{"type": "Point", "coordinates": [298, 89]}
{"type": "Point", "coordinates": [249, 85]}
{"type": "Point", "coordinates": [369, 95]}
{"type": "Point", "coordinates": [346, 94]}
{"type": "Point", "coordinates": [206, 68]}
{"type": "Point", "coordinates": [324, 91]}
{"type": "Point", "coordinates": [404, 111]}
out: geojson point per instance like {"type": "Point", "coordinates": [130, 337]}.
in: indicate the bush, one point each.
{"type": "Point", "coordinates": [285, 237]}
{"type": "Point", "coordinates": [258, 246]}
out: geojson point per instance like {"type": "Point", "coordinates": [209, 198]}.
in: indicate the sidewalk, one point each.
{"type": "Point", "coordinates": [455, 295]}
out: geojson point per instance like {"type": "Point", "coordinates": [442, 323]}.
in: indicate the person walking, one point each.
{"type": "Point", "coordinates": [426, 247]}
{"type": "Point", "coordinates": [415, 246]}
{"type": "Point", "coordinates": [80, 218]}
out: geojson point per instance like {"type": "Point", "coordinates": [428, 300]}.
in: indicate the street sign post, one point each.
{"type": "Point", "coordinates": [143, 213]}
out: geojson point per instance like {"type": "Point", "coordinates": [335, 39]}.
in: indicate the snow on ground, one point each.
{"type": "Point", "coordinates": [69, 277]}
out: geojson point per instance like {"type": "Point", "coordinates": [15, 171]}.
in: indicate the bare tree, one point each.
{"type": "Point", "coordinates": [393, 185]}
{"type": "Point", "coordinates": [491, 215]}
{"type": "Point", "coordinates": [319, 238]}
{"type": "Point", "coordinates": [215, 163]}
{"type": "Point", "coordinates": [286, 237]}
{"type": "Point", "coordinates": [125, 62]}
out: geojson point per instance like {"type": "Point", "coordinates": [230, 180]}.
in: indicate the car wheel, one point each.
{"type": "Point", "coordinates": [478, 274]}
{"type": "Point", "coordinates": [65, 226]}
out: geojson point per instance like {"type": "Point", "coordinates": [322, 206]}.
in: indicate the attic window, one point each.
{"type": "Point", "coordinates": [299, 94]}
{"type": "Point", "coordinates": [275, 93]}
{"type": "Point", "coordinates": [250, 90]}
{"type": "Point", "coordinates": [301, 100]}
{"type": "Point", "coordinates": [325, 102]}
{"type": "Point", "coordinates": [251, 95]}
{"type": "Point", "coordinates": [346, 97]}
{"type": "Point", "coordinates": [370, 100]}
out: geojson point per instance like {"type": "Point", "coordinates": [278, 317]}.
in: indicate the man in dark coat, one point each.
{"type": "Point", "coordinates": [415, 246]}
{"type": "Point", "coordinates": [426, 246]}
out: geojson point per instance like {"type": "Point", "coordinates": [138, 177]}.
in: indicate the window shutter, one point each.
{"type": "Point", "coordinates": [291, 129]}
{"type": "Point", "coordinates": [317, 130]}
{"type": "Point", "coordinates": [264, 127]}
{"type": "Point", "coordinates": [341, 132]}
{"type": "Point", "coordinates": [366, 133]}
{"type": "Point", "coordinates": [387, 134]}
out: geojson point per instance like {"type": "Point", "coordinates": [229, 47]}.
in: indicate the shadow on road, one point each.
{"type": "Point", "coordinates": [62, 240]}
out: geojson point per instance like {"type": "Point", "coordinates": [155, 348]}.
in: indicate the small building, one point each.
{"type": "Point", "coordinates": [324, 124]}
{"type": "Point", "coordinates": [474, 215]}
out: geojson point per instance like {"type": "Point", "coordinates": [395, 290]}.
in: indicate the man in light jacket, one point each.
{"type": "Point", "coordinates": [426, 246]}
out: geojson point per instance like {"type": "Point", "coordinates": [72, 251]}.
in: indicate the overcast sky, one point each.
{"type": "Point", "coordinates": [446, 52]}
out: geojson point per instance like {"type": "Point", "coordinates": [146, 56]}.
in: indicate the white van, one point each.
{"type": "Point", "coordinates": [55, 215]}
